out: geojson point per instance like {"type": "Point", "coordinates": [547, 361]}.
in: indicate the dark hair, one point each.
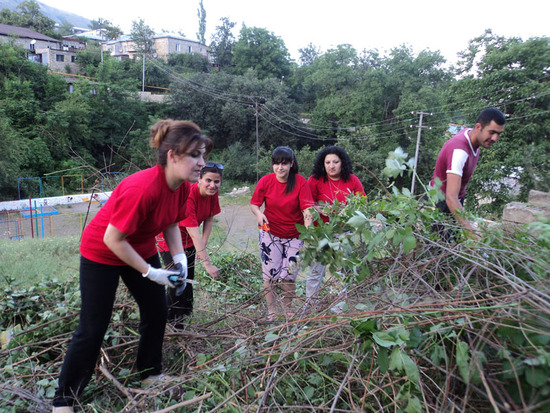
{"type": "Point", "coordinates": [319, 164]}
{"type": "Point", "coordinates": [491, 114]}
{"type": "Point", "coordinates": [213, 167]}
{"type": "Point", "coordinates": [180, 136]}
{"type": "Point", "coordinates": [284, 155]}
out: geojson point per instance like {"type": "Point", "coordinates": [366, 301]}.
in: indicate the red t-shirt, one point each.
{"type": "Point", "coordinates": [197, 209]}
{"type": "Point", "coordinates": [141, 206]}
{"type": "Point", "coordinates": [330, 191]}
{"type": "Point", "coordinates": [283, 210]}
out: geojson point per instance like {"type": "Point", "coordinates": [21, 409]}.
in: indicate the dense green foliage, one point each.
{"type": "Point", "coordinates": [253, 98]}
{"type": "Point", "coordinates": [27, 14]}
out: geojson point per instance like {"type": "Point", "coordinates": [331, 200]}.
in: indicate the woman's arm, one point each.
{"type": "Point", "coordinates": [260, 217]}
{"type": "Point", "coordinates": [200, 246]}
{"type": "Point", "coordinates": [116, 241]}
{"type": "Point", "coordinates": [172, 236]}
{"type": "Point", "coordinates": [308, 218]}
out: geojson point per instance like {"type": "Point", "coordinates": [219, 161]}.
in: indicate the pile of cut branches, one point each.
{"type": "Point", "coordinates": [441, 327]}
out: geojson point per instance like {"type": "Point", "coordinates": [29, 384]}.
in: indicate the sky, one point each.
{"type": "Point", "coordinates": [365, 24]}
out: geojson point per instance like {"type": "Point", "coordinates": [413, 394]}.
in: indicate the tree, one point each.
{"type": "Point", "coordinates": [142, 36]}
{"type": "Point", "coordinates": [262, 51]}
{"type": "Point", "coordinates": [66, 29]}
{"type": "Point", "coordinates": [109, 30]}
{"type": "Point", "coordinates": [28, 15]}
{"type": "Point", "coordinates": [221, 47]}
{"type": "Point", "coordinates": [188, 62]}
{"type": "Point", "coordinates": [32, 18]}
{"type": "Point", "coordinates": [201, 14]}
{"type": "Point", "coordinates": [225, 107]}
{"type": "Point", "coordinates": [309, 53]}
{"type": "Point", "coordinates": [14, 149]}
{"type": "Point", "coordinates": [512, 75]}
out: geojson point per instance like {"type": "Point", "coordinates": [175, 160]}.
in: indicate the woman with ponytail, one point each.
{"type": "Point", "coordinates": [286, 198]}
{"type": "Point", "coordinates": [119, 244]}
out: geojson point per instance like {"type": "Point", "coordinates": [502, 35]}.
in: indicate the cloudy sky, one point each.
{"type": "Point", "coordinates": [365, 24]}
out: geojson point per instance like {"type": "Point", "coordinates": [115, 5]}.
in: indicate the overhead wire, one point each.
{"type": "Point", "coordinates": [291, 124]}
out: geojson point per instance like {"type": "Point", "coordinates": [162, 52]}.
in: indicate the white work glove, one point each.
{"type": "Point", "coordinates": [180, 264]}
{"type": "Point", "coordinates": [161, 276]}
{"type": "Point", "coordinates": [181, 258]}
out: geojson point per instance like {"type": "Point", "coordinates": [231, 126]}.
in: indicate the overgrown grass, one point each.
{"type": "Point", "coordinates": [30, 261]}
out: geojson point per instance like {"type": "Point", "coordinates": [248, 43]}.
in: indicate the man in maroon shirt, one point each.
{"type": "Point", "coordinates": [458, 158]}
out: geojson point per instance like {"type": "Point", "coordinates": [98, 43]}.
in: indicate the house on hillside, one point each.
{"type": "Point", "coordinates": [58, 55]}
{"type": "Point", "coordinates": [164, 44]}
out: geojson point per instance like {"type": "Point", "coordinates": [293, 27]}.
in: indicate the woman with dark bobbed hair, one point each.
{"type": "Point", "coordinates": [331, 180]}
{"type": "Point", "coordinates": [119, 243]}
{"type": "Point", "coordinates": [287, 199]}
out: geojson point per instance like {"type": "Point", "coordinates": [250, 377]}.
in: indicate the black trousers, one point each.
{"type": "Point", "coordinates": [178, 306]}
{"type": "Point", "coordinates": [98, 285]}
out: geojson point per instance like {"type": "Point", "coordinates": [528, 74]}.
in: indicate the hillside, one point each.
{"type": "Point", "coordinates": [59, 16]}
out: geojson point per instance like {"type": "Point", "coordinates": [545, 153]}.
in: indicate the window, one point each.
{"type": "Point", "coordinates": [59, 58]}
{"type": "Point", "coordinates": [73, 59]}
{"type": "Point", "coordinates": [178, 47]}
{"type": "Point", "coordinates": [189, 49]}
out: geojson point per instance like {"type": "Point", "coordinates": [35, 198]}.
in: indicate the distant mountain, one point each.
{"type": "Point", "coordinates": [59, 16]}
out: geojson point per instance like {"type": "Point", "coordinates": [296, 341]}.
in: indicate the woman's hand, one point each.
{"type": "Point", "coordinates": [260, 217]}
{"type": "Point", "coordinates": [211, 269]}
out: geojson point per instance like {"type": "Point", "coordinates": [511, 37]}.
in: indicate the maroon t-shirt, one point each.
{"type": "Point", "coordinates": [457, 156]}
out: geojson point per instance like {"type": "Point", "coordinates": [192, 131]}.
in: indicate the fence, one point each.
{"type": "Point", "coordinates": [16, 225]}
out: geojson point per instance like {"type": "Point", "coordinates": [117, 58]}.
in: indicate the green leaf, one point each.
{"type": "Point", "coordinates": [309, 392]}
{"type": "Point", "coordinates": [411, 369]}
{"type": "Point", "coordinates": [396, 359]}
{"type": "Point", "coordinates": [463, 360]}
{"type": "Point", "coordinates": [414, 406]}
{"type": "Point", "coordinates": [384, 339]}
{"type": "Point", "coordinates": [364, 328]}
{"type": "Point", "coordinates": [383, 361]}
{"type": "Point", "coordinates": [536, 376]}
{"type": "Point", "coordinates": [415, 338]}
{"type": "Point", "coordinates": [357, 220]}
{"type": "Point", "coordinates": [409, 242]}
{"type": "Point", "coordinates": [400, 361]}
{"type": "Point", "coordinates": [269, 337]}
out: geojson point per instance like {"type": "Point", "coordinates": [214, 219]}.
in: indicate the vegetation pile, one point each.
{"type": "Point", "coordinates": [421, 326]}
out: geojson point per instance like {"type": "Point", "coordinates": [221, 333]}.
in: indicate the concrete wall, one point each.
{"type": "Point", "coordinates": [56, 200]}
{"type": "Point", "coordinates": [537, 205]}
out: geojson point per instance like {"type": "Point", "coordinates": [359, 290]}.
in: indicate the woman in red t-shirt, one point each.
{"type": "Point", "coordinates": [331, 180]}
{"type": "Point", "coordinates": [203, 204]}
{"type": "Point", "coordinates": [119, 243]}
{"type": "Point", "coordinates": [286, 198]}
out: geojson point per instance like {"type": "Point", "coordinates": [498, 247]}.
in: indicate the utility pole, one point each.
{"type": "Point", "coordinates": [101, 35]}
{"type": "Point", "coordinates": [417, 144]}
{"type": "Point", "coordinates": [257, 101]}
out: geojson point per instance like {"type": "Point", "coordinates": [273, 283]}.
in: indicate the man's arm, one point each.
{"type": "Point", "coordinates": [451, 198]}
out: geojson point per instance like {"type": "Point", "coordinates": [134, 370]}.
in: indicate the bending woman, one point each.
{"type": "Point", "coordinates": [331, 180]}
{"type": "Point", "coordinates": [287, 199]}
{"type": "Point", "coordinates": [203, 204]}
{"type": "Point", "coordinates": [119, 243]}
